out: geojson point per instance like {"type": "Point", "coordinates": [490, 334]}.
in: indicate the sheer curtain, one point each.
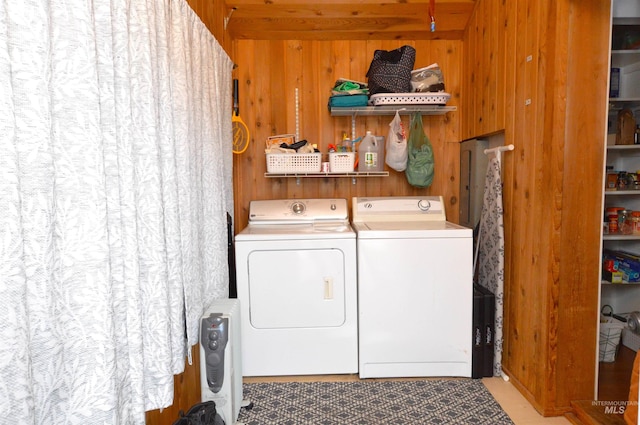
{"type": "Point", "coordinates": [115, 181]}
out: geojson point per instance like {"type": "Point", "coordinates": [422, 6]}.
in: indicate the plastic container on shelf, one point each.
{"type": "Point", "coordinates": [341, 162]}
{"type": "Point", "coordinates": [613, 224]}
{"type": "Point", "coordinates": [625, 226]}
{"type": "Point", "coordinates": [371, 153]}
{"type": "Point", "coordinates": [294, 163]}
{"type": "Point", "coordinates": [635, 223]}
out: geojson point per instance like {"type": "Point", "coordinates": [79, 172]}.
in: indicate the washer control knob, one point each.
{"type": "Point", "coordinates": [424, 204]}
{"type": "Point", "coordinates": [298, 208]}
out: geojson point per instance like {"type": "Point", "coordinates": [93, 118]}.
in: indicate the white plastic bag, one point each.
{"type": "Point", "coordinates": [396, 156]}
{"type": "Point", "coordinates": [427, 79]}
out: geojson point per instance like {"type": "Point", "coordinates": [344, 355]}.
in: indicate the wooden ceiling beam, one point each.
{"type": "Point", "coordinates": [338, 19]}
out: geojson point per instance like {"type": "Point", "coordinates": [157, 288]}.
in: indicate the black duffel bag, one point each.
{"type": "Point", "coordinates": [201, 414]}
{"type": "Point", "coordinates": [390, 71]}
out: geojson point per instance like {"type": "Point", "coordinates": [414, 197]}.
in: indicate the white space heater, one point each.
{"type": "Point", "coordinates": [221, 359]}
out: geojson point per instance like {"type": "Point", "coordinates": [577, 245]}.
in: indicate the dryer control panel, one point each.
{"type": "Point", "coordinates": [413, 208]}
{"type": "Point", "coordinates": [277, 211]}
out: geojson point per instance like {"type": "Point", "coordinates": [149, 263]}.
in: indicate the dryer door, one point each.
{"type": "Point", "coordinates": [301, 288]}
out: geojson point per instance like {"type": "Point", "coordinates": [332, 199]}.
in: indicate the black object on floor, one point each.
{"type": "Point", "coordinates": [477, 348]}
{"type": "Point", "coordinates": [204, 413]}
{"type": "Point", "coordinates": [489, 314]}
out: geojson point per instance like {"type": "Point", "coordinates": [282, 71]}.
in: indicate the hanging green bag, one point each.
{"type": "Point", "coordinates": [420, 164]}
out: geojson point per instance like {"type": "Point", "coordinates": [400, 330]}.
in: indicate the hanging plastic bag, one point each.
{"type": "Point", "coordinates": [396, 156]}
{"type": "Point", "coordinates": [420, 164]}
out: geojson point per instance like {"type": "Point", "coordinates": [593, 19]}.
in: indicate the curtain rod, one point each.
{"type": "Point", "coordinates": [499, 149]}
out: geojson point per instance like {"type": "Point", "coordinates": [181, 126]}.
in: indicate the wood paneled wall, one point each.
{"type": "Point", "coordinates": [586, 29]}
{"type": "Point", "coordinates": [270, 71]}
{"type": "Point", "coordinates": [213, 14]}
{"type": "Point", "coordinates": [483, 71]}
{"type": "Point", "coordinates": [553, 57]}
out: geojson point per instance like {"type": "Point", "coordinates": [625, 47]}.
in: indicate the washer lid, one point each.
{"type": "Point", "coordinates": [410, 230]}
{"type": "Point", "coordinates": [398, 208]}
{"type": "Point", "coordinates": [281, 211]}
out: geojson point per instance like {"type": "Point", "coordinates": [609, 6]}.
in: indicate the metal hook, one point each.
{"type": "Point", "coordinates": [226, 20]}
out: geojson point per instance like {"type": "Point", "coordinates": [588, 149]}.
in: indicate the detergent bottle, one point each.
{"type": "Point", "coordinates": [370, 154]}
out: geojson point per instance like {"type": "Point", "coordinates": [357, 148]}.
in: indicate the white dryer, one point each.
{"type": "Point", "coordinates": [297, 285]}
{"type": "Point", "coordinates": [415, 288]}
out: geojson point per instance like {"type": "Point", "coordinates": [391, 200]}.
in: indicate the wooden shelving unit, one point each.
{"type": "Point", "coordinates": [614, 377]}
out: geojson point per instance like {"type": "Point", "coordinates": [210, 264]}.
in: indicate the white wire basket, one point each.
{"type": "Point", "coordinates": [427, 98]}
{"type": "Point", "coordinates": [341, 162]}
{"type": "Point", "coordinates": [294, 162]}
{"type": "Point", "coordinates": [610, 332]}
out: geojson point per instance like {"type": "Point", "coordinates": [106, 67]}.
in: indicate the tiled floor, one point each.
{"type": "Point", "coordinates": [517, 407]}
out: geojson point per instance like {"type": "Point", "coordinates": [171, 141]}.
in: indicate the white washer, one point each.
{"type": "Point", "coordinates": [297, 285]}
{"type": "Point", "coordinates": [415, 288]}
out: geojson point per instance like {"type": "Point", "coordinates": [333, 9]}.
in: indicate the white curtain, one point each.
{"type": "Point", "coordinates": [115, 181]}
{"type": "Point", "coordinates": [491, 252]}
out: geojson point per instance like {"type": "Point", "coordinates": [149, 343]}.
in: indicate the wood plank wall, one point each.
{"type": "Point", "coordinates": [270, 71]}
{"type": "Point", "coordinates": [549, 106]}
{"type": "Point", "coordinates": [551, 52]}
{"type": "Point", "coordinates": [483, 71]}
{"type": "Point", "coordinates": [587, 47]}
{"type": "Point", "coordinates": [213, 14]}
